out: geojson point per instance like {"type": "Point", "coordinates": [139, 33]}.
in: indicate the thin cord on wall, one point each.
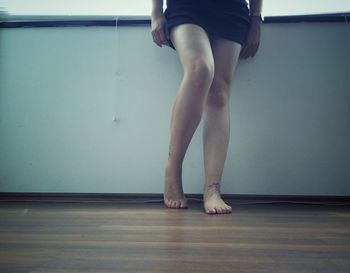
{"type": "Point", "coordinates": [117, 109]}
{"type": "Point", "coordinates": [347, 38]}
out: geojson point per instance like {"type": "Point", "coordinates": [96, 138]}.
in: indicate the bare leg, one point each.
{"type": "Point", "coordinates": [216, 123]}
{"type": "Point", "coordinates": [193, 46]}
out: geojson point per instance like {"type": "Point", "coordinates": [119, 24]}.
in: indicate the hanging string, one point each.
{"type": "Point", "coordinates": [347, 38]}
{"type": "Point", "coordinates": [117, 109]}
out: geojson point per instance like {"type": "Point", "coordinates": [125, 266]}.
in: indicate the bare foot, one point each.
{"type": "Point", "coordinates": [213, 203]}
{"type": "Point", "coordinates": [173, 193]}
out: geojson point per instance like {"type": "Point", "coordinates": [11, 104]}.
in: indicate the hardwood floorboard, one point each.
{"type": "Point", "coordinates": [109, 237]}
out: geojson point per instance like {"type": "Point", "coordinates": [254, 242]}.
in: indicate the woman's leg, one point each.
{"type": "Point", "coordinates": [216, 122]}
{"type": "Point", "coordinates": [193, 47]}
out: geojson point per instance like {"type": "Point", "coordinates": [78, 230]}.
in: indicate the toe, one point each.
{"type": "Point", "coordinates": [166, 202]}
{"type": "Point", "coordinates": [219, 209]}
{"type": "Point", "coordinates": [209, 211]}
{"type": "Point", "coordinates": [175, 204]}
{"type": "Point", "coordinates": [183, 204]}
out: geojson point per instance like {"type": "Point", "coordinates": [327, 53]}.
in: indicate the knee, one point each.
{"type": "Point", "coordinates": [200, 73]}
{"type": "Point", "coordinates": [219, 92]}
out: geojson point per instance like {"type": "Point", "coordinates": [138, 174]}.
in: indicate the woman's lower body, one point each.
{"type": "Point", "coordinates": [209, 55]}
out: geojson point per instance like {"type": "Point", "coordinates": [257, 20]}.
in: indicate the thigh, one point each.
{"type": "Point", "coordinates": [192, 43]}
{"type": "Point", "coordinates": [226, 56]}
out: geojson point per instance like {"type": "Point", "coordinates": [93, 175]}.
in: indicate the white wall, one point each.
{"type": "Point", "coordinates": [60, 88]}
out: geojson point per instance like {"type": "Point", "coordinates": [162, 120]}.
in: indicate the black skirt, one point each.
{"type": "Point", "coordinates": [228, 19]}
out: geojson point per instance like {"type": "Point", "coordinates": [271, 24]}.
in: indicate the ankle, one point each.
{"type": "Point", "coordinates": [212, 185]}
{"type": "Point", "coordinates": [211, 188]}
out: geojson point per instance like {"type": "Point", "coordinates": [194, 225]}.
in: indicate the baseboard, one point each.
{"type": "Point", "coordinates": [110, 197]}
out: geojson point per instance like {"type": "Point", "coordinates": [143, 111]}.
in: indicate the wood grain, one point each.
{"type": "Point", "coordinates": [111, 237]}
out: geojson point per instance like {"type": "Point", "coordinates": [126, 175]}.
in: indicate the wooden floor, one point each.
{"type": "Point", "coordinates": [109, 237]}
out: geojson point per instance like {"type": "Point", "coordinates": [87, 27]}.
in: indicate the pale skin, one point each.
{"type": "Point", "coordinates": [209, 65]}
